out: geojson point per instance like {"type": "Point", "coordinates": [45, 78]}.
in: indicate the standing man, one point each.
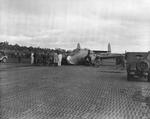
{"type": "Point", "coordinates": [88, 59]}
{"type": "Point", "coordinates": [32, 58]}
{"type": "Point", "coordinates": [59, 59]}
{"type": "Point", "coordinates": [55, 59]}
{"type": "Point", "coordinates": [35, 58]}
{"type": "Point", "coordinates": [19, 57]}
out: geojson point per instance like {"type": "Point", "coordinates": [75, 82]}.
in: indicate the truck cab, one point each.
{"type": "Point", "coordinates": [138, 65]}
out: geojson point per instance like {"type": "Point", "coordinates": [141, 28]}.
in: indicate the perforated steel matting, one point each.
{"type": "Point", "coordinates": [69, 92]}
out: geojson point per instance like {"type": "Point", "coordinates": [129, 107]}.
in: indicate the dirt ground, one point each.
{"type": "Point", "coordinates": [71, 92]}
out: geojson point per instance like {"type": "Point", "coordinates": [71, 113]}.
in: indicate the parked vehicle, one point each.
{"type": "Point", "coordinates": [138, 65]}
{"type": "Point", "coordinates": [3, 57]}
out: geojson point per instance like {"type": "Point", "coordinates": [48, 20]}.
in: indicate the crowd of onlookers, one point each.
{"type": "Point", "coordinates": [40, 58]}
{"type": "Point", "coordinates": [55, 58]}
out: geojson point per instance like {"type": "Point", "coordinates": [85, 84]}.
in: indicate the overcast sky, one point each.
{"type": "Point", "coordinates": [64, 23]}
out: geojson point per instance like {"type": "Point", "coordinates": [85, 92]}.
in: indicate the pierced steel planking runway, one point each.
{"type": "Point", "coordinates": [72, 92]}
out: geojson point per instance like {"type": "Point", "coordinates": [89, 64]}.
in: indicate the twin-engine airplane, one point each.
{"type": "Point", "coordinates": [84, 56]}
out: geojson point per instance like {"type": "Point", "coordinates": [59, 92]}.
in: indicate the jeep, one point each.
{"type": "Point", "coordinates": [138, 65]}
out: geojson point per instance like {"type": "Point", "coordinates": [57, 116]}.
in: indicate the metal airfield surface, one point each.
{"type": "Point", "coordinates": [72, 92]}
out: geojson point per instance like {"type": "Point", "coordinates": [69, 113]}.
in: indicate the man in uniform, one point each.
{"type": "Point", "coordinates": [55, 59]}
{"type": "Point", "coordinates": [59, 59]}
{"type": "Point", "coordinates": [32, 58]}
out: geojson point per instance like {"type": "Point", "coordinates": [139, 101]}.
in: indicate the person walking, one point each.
{"type": "Point", "coordinates": [59, 59]}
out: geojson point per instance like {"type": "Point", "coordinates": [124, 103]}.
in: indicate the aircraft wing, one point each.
{"type": "Point", "coordinates": [109, 56]}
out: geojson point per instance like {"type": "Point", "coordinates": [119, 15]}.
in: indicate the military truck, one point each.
{"type": "Point", "coordinates": [138, 65]}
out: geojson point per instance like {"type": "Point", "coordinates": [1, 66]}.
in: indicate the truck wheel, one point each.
{"type": "Point", "coordinates": [148, 78]}
{"type": "Point", "coordinates": [4, 60]}
{"type": "Point", "coordinates": [129, 77]}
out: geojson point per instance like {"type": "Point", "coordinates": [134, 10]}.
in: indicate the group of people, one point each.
{"type": "Point", "coordinates": [57, 59]}
{"type": "Point", "coordinates": [51, 59]}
